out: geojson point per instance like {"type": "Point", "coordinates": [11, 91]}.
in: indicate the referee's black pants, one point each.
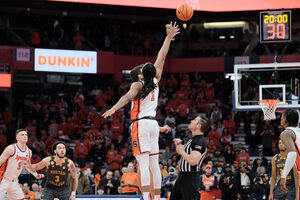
{"type": "Point", "coordinates": [186, 187]}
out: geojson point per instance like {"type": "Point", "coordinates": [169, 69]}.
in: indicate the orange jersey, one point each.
{"type": "Point", "coordinates": [132, 177]}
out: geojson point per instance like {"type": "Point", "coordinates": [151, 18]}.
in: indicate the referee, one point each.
{"type": "Point", "coordinates": [187, 185]}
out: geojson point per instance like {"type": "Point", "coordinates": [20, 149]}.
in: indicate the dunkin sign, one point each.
{"type": "Point", "coordinates": [52, 60]}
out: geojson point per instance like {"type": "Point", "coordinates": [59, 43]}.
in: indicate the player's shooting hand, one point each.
{"type": "Point", "coordinates": [283, 185]}
{"type": "Point", "coordinates": [39, 176]}
{"type": "Point", "coordinates": [108, 113]}
{"type": "Point", "coordinates": [165, 129]}
{"type": "Point", "coordinates": [172, 30]}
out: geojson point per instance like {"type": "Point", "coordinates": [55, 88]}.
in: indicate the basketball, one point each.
{"type": "Point", "coordinates": [184, 12]}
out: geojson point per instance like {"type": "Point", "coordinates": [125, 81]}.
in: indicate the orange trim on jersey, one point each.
{"type": "Point", "coordinates": [135, 110]}
{"type": "Point", "coordinates": [152, 92]}
{"type": "Point", "coordinates": [3, 170]}
{"type": "Point", "coordinates": [152, 154]}
{"type": "Point", "coordinates": [135, 138]}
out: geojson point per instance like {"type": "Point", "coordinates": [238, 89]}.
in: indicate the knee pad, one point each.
{"type": "Point", "coordinates": [143, 160]}
{"type": "Point", "coordinates": [156, 173]}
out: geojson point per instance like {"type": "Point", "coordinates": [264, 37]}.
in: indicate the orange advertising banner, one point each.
{"type": "Point", "coordinates": [5, 80]}
{"type": "Point", "coordinates": [202, 5]}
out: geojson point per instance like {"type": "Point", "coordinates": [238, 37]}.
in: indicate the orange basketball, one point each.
{"type": "Point", "coordinates": [184, 12]}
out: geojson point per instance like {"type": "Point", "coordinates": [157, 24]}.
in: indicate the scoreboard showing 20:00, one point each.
{"type": "Point", "coordinates": [275, 26]}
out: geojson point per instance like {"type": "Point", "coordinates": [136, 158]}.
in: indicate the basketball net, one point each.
{"type": "Point", "coordinates": [269, 106]}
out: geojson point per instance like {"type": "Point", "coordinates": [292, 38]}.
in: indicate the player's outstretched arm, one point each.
{"type": "Point", "coordinates": [172, 30]}
{"type": "Point", "coordinates": [273, 178]}
{"type": "Point", "coordinates": [38, 166]}
{"type": "Point", "coordinates": [75, 180]}
{"type": "Point", "coordinates": [135, 88]}
{"type": "Point", "coordinates": [34, 173]}
{"type": "Point", "coordinates": [288, 139]}
{"type": "Point", "coordinates": [8, 151]}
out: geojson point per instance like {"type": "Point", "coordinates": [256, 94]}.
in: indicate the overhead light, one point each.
{"type": "Point", "coordinates": [222, 37]}
{"type": "Point", "coordinates": [232, 37]}
{"type": "Point", "coordinates": [231, 76]}
{"type": "Point", "coordinates": [236, 24]}
{"type": "Point", "coordinates": [184, 25]}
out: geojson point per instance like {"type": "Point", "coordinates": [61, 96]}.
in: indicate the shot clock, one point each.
{"type": "Point", "coordinates": [275, 26]}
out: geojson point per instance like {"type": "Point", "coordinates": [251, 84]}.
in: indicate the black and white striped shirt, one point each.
{"type": "Point", "coordinates": [196, 143]}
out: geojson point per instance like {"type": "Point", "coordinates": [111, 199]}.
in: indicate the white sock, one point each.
{"type": "Point", "coordinates": [156, 197]}
{"type": "Point", "coordinates": [146, 195]}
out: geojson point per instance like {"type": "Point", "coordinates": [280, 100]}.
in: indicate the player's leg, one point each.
{"type": "Point", "coordinates": [139, 181]}
{"type": "Point", "coordinates": [14, 191]}
{"type": "Point", "coordinates": [48, 194]}
{"type": "Point", "coordinates": [143, 160]}
{"type": "Point", "coordinates": [141, 148]}
{"type": "Point", "coordinates": [3, 188]}
{"type": "Point", "coordinates": [64, 194]}
{"type": "Point", "coordinates": [154, 160]}
{"type": "Point", "coordinates": [278, 194]}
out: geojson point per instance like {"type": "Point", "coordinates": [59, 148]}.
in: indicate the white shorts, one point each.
{"type": "Point", "coordinates": [12, 188]}
{"type": "Point", "coordinates": [145, 135]}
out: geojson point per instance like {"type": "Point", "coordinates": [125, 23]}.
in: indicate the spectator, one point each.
{"type": "Point", "coordinates": [243, 157]}
{"type": "Point", "coordinates": [100, 191]}
{"type": "Point", "coordinates": [167, 154]}
{"type": "Point", "coordinates": [208, 184]}
{"type": "Point", "coordinates": [117, 177]}
{"type": "Point", "coordinates": [34, 39]}
{"type": "Point", "coordinates": [109, 184]}
{"type": "Point", "coordinates": [168, 182]}
{"type": "Point", "coordinates": [227, 184]}
{"type": "Point", "coordinates": [129, 181]}
{"type": "Point", "coordinates": [83, 181]}
{"type": "Point", "coordinates": [36, 190]}
{"type": "Point", "coordinates": [81, 151]}
{"type": "Point", "coordinates": [100, 175]}
{"type": "Point", "coordinates": [260, 161]}
{"type": "Point", "coordinates": [252, 140]}
{"type": "Point", "coordinates": [267, 138]}
{"type": "Point", "coordinates": [216, 115]}
{"type": "Point", "coordinates": [214, 135]}
{"type": "Point", "coordinates": [27, 193]}
{"type": "Point", "coordinates": [242, 184]}
{"type": "Point", "coordinates": [115, 160]}
{"type": "Point", "coordinates": [77, 40]}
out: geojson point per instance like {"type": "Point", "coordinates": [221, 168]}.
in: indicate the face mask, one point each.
{"type": "Point", "coordinates": [81, 144]}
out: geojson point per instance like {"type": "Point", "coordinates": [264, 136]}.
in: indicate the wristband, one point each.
{"type": "Point", "coordinates": [73, 193]}
{"type": "Point", "coordinates": [34, 174]}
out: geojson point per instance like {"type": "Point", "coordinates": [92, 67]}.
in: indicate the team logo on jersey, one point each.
{"type": "Point", "coordinates": [52, 163]}
{"type": "Point", "coordinates": [64, 167]}
{"type": "Point", "coordinates": [198, 147]}
{"type": "Point", "coordinates": [18, 158]}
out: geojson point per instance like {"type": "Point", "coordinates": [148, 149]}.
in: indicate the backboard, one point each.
{"type": "Point", "coordinates": [254, 82]}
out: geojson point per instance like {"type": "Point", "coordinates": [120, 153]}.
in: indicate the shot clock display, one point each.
{"type": "Point", "coordinates": [275, 26]}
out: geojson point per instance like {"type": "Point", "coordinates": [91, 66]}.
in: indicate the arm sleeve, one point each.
{"type": "Point", "coordinates": [198, 145]}
{"type": "Point", "coordinates": [289, 163]}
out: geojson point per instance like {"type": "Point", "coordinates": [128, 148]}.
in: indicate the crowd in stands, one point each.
{"type": "Point", "coordinates": [130, 37]}
{"type": "Point", "coordinates": [101, 147]}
